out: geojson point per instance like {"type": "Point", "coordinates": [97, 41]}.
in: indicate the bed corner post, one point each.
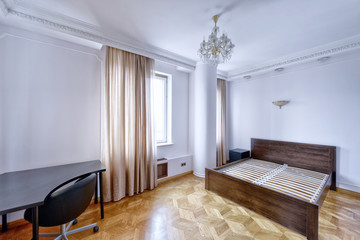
{"type": "Point", "coordinates": [312, 222]}
{"type": "Point", "coordinates": [333, 175]}
{"type": "Point", "coordinates": [333, 181]}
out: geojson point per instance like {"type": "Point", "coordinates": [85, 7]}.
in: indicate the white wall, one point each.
{"type": "Point", "coordinates": [324, 109]}
{"type": "Point", "coordinates": [178, 152]}
{"type": "Point", "coordinates": [49, 102]}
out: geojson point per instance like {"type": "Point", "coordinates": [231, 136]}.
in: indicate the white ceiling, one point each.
{"type": "Point", "coordinates": [262, 30]}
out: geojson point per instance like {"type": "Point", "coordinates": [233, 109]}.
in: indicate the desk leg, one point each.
{"type": "Point", "coordinates": [96, 189]}
{"type": "Point", "coordinates": [35, 223]}
{"type": "Point", "coordinates": [4, 223]}
{"type": "Point", "coordinates": [101, 196]}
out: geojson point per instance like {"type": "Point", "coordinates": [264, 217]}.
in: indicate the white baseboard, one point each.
{"type": "Point", "coordinates": [175, 165]}
{"type": "Point", "coordinates": [348, 186]}
{"type": "Point", "coordinates": [201, 175]}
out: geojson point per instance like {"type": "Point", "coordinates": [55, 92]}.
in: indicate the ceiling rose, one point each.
{"type": "Point", "coordinates": [217, 49]}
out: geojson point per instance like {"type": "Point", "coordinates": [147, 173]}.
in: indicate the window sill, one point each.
{"type": "Point", "coordinates": [164, 144]}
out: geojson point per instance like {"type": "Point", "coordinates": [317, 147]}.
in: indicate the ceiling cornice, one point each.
{"type": "Point", "coordinates": [4, 7]}
{"type": "Point", "coordinates": [77, 28]}
{"type": "Point", "coordinates": [222, 74]}
{"type": "Point", "coordinates": [337, 47]}
{"type": "Point", "coordinates": [89, 32]}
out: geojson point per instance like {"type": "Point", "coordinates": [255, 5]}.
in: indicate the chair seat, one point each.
{"type": "Point", "coordinates": [62, 206]}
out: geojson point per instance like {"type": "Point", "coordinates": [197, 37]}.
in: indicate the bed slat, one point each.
{"type": "Point", "coordinates": [300, 183]}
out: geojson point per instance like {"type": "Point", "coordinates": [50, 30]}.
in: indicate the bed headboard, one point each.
{"type": "Point", "coordinates": [320, 158]}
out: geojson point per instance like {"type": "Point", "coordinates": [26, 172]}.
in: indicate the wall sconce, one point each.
{"type": "Point", "coordinates": [280, 103]}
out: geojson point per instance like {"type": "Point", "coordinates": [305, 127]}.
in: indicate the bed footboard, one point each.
{"type": "Point", "coordinates": [293, 213]}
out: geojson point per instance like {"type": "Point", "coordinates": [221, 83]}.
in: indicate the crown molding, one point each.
{"type": "Point", "coordinates": [333, 48]}
{"type": "Point", "coordinates": [74, 27]}
{"type": "Point", "coordinates": [222, 74]}
{"type": "Point", "coordinates": [4, 7]}
{"type": "Point", "coordinates": [37, 10]}
{"type": "Point", "coordinates": [86, 31]}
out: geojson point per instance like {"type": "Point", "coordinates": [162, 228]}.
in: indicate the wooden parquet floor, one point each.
{"type": "Point", "coordinates": [183, 209]}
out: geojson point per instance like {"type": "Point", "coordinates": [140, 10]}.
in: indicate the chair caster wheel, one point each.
{"type": "Point", "coordinates": [75, 221]}
{"type": "Point", "coordinates": [96, 229]}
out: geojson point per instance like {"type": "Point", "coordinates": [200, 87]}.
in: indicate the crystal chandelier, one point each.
{"type": "Point", "coordinates": [217, 49]}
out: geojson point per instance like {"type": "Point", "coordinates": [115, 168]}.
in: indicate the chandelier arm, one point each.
{"type": "Point", "coordinates": [217, 49]}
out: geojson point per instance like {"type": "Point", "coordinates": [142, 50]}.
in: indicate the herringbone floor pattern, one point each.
{"type": "Point", "coordinates": [183, 209]}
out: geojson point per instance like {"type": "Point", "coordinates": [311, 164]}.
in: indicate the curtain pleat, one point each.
{"type": "Point", "coordinates": [128, 145]}
{"type": "Point", "coordinates": [221, 122]}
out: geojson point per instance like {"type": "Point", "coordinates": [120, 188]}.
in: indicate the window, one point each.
{"type": "Point", "coordinates": [161, 98]}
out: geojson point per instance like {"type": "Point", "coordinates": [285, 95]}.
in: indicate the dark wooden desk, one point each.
{"type": "Point", "coordinates": [28, 189]}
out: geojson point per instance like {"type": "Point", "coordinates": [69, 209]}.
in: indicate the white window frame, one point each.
{"type": "Point", "coordinates": [168, 114]}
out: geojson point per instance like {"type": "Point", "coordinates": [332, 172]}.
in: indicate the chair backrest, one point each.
{"type": "Point", "coordinates": [64, 205]}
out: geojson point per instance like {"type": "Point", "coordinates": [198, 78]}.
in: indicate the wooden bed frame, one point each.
{"type": "Point", "coordinates": [291, 212]}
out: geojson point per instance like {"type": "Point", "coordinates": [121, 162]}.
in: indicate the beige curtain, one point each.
{"type": "Point", "coordinates": [128, 145]}
{"type": "Point", "coordinates": [221, 122]}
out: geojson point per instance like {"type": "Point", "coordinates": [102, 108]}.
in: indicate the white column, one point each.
{"type": "Point", "coordinates": [203, 82]}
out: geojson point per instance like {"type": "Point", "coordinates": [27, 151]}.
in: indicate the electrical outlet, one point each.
{"type": "Point", "coordinates": [183, 164]}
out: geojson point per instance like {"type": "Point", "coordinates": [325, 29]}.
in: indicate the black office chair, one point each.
{"type": "Point", "coordinates": [65, 205]}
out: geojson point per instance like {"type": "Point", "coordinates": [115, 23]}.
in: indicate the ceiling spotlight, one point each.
{"type": "Point", "coordinates": [280, 69]}
{"type": "Point", "coordinates": [323, 59]}
{"type": "Point", "coordinates": [247, 76]}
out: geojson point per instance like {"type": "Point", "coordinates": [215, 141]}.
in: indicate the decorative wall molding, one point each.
{"type": "Point", "coordinates": [96, 54]}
